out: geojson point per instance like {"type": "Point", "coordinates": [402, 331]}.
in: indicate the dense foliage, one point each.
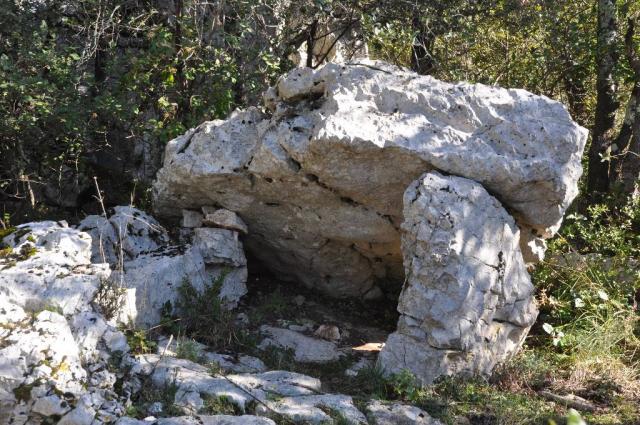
{"type": "Point", "coordinates": [97, 88]}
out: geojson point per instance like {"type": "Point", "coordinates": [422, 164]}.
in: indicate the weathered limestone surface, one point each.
{"type": "Point", "coordinates": [275, 394]}
{"type": "Point", "coordinates": [124, 235]}
{"type": "Point", "coordinates": [319, 179]}
{"type": "Point", "coordinates": [201, 420]}
{"type": "Point", "coordinates": [380, 413]}
{"type": "Point", "coordinates": [467, 303]}
{"type": "Point", "coordinates": [150, 270]}
{"type": "Point", "coordinates": [56, 352]}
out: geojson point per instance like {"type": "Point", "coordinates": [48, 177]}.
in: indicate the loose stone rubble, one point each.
{"type": "Point", "coordinates": [150, 269]}
{"type": "Point", "coordinates": [380, 413]}
{"type": "Point", "coordinates": [306, 349]}
{"type": "Point", "coordinates": [62, 361]}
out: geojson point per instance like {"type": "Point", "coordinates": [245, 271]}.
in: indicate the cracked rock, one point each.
{"type": "Point", "coordinates": [320, 180]}
{"type": "Point", "coordinates": [313, 409]}
{"type": "Point", "coordinates": [150, 270]}
{"type": "Point", "coordinates": [468, 300]}
{"type": "Point", "coordinates": [380, 413]}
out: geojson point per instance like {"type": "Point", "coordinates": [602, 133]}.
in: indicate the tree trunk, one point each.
{"type": "Point", "coordinates": [628, 141]}
{"type": "Point", "coordinates": [183, 97]}
{"type": "Point", "coordinates": [311, 41]}
{"type": "Point", "coordinates": [606, 102]}
{"type": "Point", "coordinates": [99, 65]}
{"type": "Point", "coordinates": [422, 60]}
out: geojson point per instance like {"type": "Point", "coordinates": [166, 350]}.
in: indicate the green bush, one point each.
{"type": "Point", "coordinates": [203, 316]}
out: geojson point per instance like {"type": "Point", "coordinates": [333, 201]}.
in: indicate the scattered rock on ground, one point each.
{"type": "Point", "coordinates": [200, 420]}
{"type": "Point", "coordinates": [380, 413]}
{"type": "Point", "coordinates": [240, 363]}
{"type": "Point", "coordinates": [313, 409]}
{"type": "Point", "coordinates": [306, 349]}
{"type": "Point", "coordinates": [359, 365]}
{"type": "Point", "coordinates": [328, 332]}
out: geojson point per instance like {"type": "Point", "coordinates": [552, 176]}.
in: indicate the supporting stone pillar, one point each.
{"type": "Point", "coordinates": [467, 302]}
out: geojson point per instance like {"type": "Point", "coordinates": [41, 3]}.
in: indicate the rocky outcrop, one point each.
{"type": "Point", "coordinates": [467, 303]}
{"type": "Point", "coordinates": [149, 269]}
{"type": "Point", "coordinates": [56, 353]}
{"type": "Point", "coordinates": [320, 178]}
{"type": "Point", "coordinates": [61, 348]}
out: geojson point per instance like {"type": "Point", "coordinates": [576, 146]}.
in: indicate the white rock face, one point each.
{"type": "Point", "coordinates": [49, 267]}
{"type": "Point", "coordinates": [468, 300]}
{"type": "Point", "coordinates": [56, 352]}
{"type": "Point", "coordinates": [152, 280]}
{"type": "Point", "coordinates": [150, 270]}
{"type": "Point", "coordinates": [320, 181]}
{"type": "Point", "coordinates": [124, 235]}
{"type": "Point", "coordinates": [380, 413]}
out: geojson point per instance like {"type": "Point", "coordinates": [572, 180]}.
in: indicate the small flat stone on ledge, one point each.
{"type": "Point", "coordinates": [223, 218]}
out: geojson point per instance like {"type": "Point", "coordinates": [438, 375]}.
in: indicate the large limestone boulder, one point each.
{"type": "Point", "coordinates": [319, 179]}
{"type": "Point", "coordinates": [468, 301]}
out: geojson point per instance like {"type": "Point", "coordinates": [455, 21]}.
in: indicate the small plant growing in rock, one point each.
{"type": "Point", "coordinates": [220, 406]}
{"type": "Point", "coordinates": [109, 298]}
{"type": "Point", "coordinates": [204, 318]}
{"type": "Point", "coordinates": [187, 349]}
{"type": "Point", "coordinates": [149, 395]}
{"type": "Point", "coordinates": [138, 341]}
{"type": "Point", "coordinates": [6, 232]}
{"type": "Point", "coordinates": [213, 368]}
{"type": "Point", "coordinates": [406, 387]}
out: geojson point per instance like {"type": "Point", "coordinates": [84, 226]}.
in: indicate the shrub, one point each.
{"type": "Point", "coordinates": [202, 316]}
{"type": "Point", "coordinates": [109, 298]}
{"type": "Point", "coordinates": [139, 342]}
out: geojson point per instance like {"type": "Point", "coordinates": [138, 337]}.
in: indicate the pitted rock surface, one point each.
{"type": "Point", "coordinates": [150, 269]}
{"type": "Point", "coordinates": [468, 300]}
{"type": "Point", "coordinates": [56, 352]}
{"type": "Point", "coordinates": [61, 357]}
{"type": "Point", "coordinates": [319, 180]}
